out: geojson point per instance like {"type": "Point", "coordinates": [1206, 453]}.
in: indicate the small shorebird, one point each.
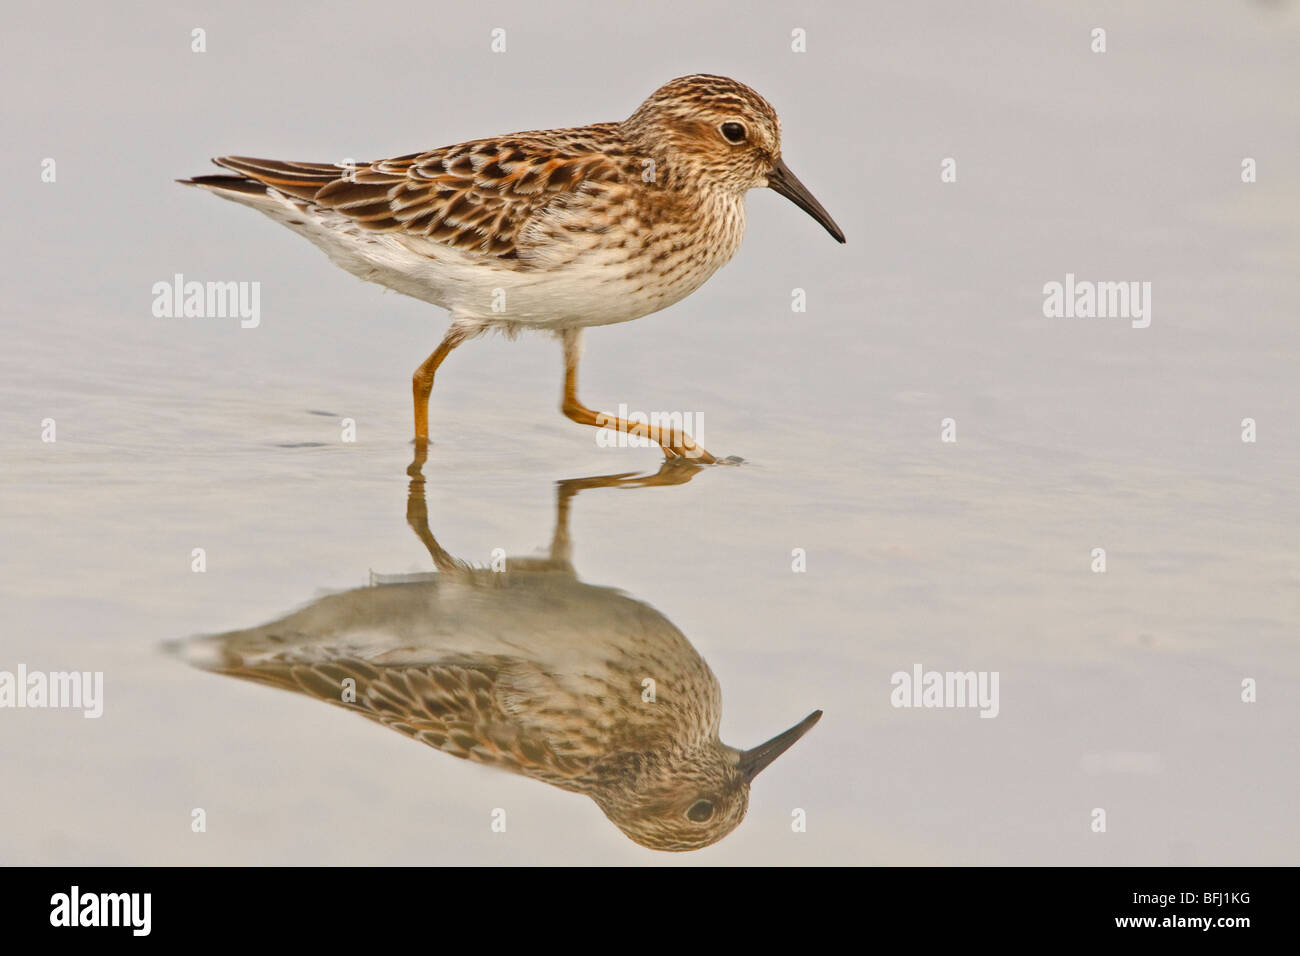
{"type": "Point", "coordinates": [555, 230]}
{"type": "Point", "coordinates": [528, 670]}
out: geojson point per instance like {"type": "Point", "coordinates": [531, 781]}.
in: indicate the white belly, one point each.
{"type": "Point", "coordinates": [598, 285]}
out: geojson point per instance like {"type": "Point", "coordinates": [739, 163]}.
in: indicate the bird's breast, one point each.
{"type": "Point", "coordinates": [618, 261]}
{"type": "Point", "coordinates": [650, 261]}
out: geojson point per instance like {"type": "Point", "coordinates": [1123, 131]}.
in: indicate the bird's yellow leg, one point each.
{"type": "Point", "coordinates": [674, 443]}
{"type": "Point", "coordinates": [422, 381]}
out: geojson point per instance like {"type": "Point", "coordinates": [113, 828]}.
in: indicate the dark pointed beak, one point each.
{"type": "Point", "coordinates": [788, 185]}
{"type": "Point", "coordinates": [753, 762]}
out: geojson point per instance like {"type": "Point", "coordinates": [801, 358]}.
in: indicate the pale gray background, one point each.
{"type": "Point", "coordinates": [1118, 691]}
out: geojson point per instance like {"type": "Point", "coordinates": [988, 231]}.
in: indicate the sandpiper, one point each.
{"type": "Point", "coordinates": [554, 230]}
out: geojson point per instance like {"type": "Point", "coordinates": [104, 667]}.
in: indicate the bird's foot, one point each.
{"type": "Point", "coordinates": [416, 468]}
{"type": "Point", "coordinates": [696, 455]}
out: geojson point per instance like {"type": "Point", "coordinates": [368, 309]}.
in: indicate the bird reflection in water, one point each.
{"type": "Point", "coordinates": [529, 670]}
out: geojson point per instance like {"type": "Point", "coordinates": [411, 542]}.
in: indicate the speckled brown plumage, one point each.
{"type": "Point", "coordinates": [476, 196]}
{"type": "Point", "coordinates": [555, 230]}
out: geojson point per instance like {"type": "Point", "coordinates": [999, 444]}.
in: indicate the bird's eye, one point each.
{"type": "Point", "coordinates": [700, 811]}
{"type": "Point", "coordinates": [733, 132]}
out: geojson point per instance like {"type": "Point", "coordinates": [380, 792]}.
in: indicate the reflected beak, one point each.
{"type": "Point", "coordinates": [788, 185]}
{"type": "Point", "coordinates": [753, 762]}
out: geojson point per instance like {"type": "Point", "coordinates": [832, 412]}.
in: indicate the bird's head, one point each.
{"type": "Point", "coordinates": [714, 130]}
{"type": "Point", "coordinates": [693, 799]}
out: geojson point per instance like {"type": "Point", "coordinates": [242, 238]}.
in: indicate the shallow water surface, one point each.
{"type": "Point", "coordinates": [1118, 690]}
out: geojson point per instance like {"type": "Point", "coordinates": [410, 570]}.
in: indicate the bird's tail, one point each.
{"type": "Point", "coordinates": [257, 177]}
{"type": "Point", "coordinates": [230, 184]}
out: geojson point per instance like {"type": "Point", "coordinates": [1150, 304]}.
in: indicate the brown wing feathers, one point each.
{"type": "Point", "coordinates": [300, 180]}
{"type": "Point", "coordinates": [476, 196]}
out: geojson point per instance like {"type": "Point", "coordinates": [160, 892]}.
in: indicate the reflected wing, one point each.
{"type": "Point", "coordinates": [469, 711]}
